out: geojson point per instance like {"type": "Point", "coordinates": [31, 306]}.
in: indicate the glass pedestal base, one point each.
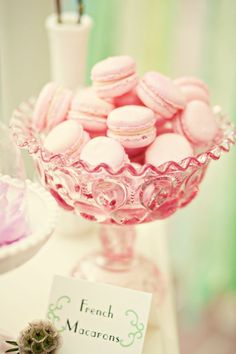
{"type": "Point", "coordinates": [137, 273]}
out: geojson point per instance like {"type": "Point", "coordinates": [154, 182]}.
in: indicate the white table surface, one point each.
{"type": "Point", "coordinates": [24, 292]}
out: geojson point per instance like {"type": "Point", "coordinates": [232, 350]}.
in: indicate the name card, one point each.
{"type": "Point", "coordinates": [98, 318]}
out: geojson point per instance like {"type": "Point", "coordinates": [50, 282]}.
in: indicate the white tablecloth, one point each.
{"type": "Point", "coordinates": [24, 292]}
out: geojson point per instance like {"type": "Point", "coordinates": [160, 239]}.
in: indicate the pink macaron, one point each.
{"type": "Point", "coordinates": [66, 138]}
{"type": "Point", "coordinates": [114, 76]}
{"type": "Point", "coordinates": [133, 126]}
{"type": "Point", "coordinates": [193, 89]}
{"type": "Point", "coordinates": [51, 107]}
{"type": "Point", "coordinates": [104, 150]}
{"type": "Point", "coordinates": [168, 147]}
{"type": "Point", "coordinates": [177, 125]}
{"type": "Point", "coordinates": [129, 98]}
{"type": "Point", "coordinates": [159, 93]}
{"type": "Point", "coordinates": [198, 123]}
{"type": "Point", "coordinates": [91, 111]}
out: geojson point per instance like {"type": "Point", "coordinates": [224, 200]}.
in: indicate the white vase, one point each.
{"type": "Point", "coordinates": [68, 44]}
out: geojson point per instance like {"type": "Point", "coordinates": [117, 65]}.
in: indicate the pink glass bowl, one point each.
{"type": "Point", "coordinates": [125, 197]}
{"type": "Point", "coordinates": [119, 200]}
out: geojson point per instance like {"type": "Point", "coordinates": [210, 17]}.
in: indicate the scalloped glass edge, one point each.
{"type": "Point", "coordinates": [34, 146]}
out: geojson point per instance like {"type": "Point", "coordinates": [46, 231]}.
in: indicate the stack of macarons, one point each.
{"type": "Point", "coordinates": [123, 118]}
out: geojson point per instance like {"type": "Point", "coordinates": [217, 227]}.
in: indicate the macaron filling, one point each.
{"type": "Point", "coordinates": [155, 101]}
{"type": "Point", "coordinates": [91, 123]}
{"type": "Point", "coordinates": [115, 88]}
{"type": "Point", "coordinates": [164, 88]}
{"type": "Point", "coordinates": [133, 126]}
{"type": "Point", "coordinates": [114, 81]}
{"type": "Point", "coordinates": [54, 101]}
{"type": "Point", "coordinates": [87, 101]}
{"type": "Point", "coordinates": [87, 117]}
{"type": "Point", "coordinates": [134, 140]}
{"type": "Point", "coordinates": [59, 108]}
{"type": "Point", "coordinates": [131, 132]}
{"type": "Point", "coordinates": [113, 68]}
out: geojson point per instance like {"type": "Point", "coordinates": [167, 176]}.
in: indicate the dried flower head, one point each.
{"type": "Point", "coordinates": [39, 337]}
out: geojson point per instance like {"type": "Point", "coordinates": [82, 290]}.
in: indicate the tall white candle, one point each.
{"type": "Point", "coordinates": [68, 44]}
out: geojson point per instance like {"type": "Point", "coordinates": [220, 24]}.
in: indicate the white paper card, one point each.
{"type": "Point", "coordinates": [98, 318]}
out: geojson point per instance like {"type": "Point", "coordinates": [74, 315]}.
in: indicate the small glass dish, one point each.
{"type": "Point", "coordinates": [13, 211]}
{"type": "Point", "coordinates": [22, 230]}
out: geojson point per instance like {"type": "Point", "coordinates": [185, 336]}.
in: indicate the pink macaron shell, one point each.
{"type": "Point", "coordinates": [192, 81]}
{"type": "Point", "coordinates": [116, 88]}
{"type": "Point", "coordinates": [68, 137]}
{"type": "Point", "coordinates": [199, 123]}
{"type": "Point", "coordinates": [132, 118]}
{"type": "Point", "coordinates": [104, 150]}
{"type": "Point", "coordinates": [134, 144]}
{"type": "Point", "coordinates": [60, 109]}
{"type": "Point", "coordinates": [155, 103]}
{"type": "Point", "coordinates": [42, 105]}
{"type": "Point", "coordinates": [93, 124]}
{"type": "Point", "coordinates": [177, 125]}
{"type": "Point", "coordinates": [129, 98]}
{"type": "Point", "coordinates": [163, 87]}
{"type": "Point", "coordinates": [193, 93]}
{"type": "Point", "coordinates": [87, 101]}
{"type": "Point", "coordinates": [113, 68]}
{"type": "Point", "coordinates": [168, 147]}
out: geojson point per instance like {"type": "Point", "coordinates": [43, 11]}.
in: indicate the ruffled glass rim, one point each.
{"type": "Point", "coordinates": [27, 138]}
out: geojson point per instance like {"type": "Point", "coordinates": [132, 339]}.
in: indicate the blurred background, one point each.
{"type": "Point", "coordinates": [175, 37]}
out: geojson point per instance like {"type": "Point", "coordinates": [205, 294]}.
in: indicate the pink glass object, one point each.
{"type": "Point", "coordinates": [13, 222]}
{"type": "Point", "coordinates": [119, 200]}
{"type": "Point", "coordinates": [13, 217]}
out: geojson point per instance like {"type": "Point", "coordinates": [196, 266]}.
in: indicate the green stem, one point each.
{"type": "Point", "coordinates": [58, 10]}
{"type": "Point", "coordinates": [80, 10]}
